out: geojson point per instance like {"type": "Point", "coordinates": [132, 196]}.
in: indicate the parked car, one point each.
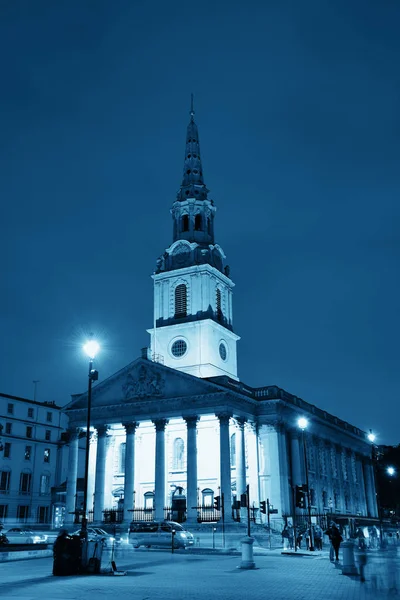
{"type": "Point", "coordinates": [159, 533]}
{"type": "Point", "coordinates": [96, 533]}
{"type": "Point", "coordinates": [17, 535]}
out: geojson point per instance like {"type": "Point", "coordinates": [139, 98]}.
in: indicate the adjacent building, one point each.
{"type": "Point", "coordinates": [177, 427]}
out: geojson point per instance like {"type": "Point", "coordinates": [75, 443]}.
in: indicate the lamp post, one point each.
{"type": "Point", "coordinates": [374, 457]}
{"type": "Point", "coordinates": [91, 348]}
{"type": "Point", "coordinates": [303, 424]}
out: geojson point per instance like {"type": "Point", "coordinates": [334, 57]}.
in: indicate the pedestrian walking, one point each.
{"type": "Point", "coordinates": [361, 556]}
{"type": "Point", "coordinates": [318, 537]}
{"type": "Point", "coordinates": [336, 539]}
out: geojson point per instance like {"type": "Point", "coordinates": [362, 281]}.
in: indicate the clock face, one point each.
{"type": "Point", "coordinates": [223, 351]}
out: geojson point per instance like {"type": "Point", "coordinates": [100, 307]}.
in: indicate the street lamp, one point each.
{"type": "Point", "coordinates": [303, 424]}
{"type": "Point", "coordinates": [91, 348]}
{"type": "Point", "coordinates": [390, 471]}
{"type": "Point", "coordinates": [374, 457]}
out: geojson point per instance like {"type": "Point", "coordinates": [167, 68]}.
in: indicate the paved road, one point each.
{"type": "Point", "coordinates": [160, 575]}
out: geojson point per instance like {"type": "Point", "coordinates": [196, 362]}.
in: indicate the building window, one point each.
{"type": "Point", "coordinates": [178, 455]}
{"type": "Point", "coordinates": [22, 513]}
{"type": "Point", "coordinates": [122, 453]}
{"type": "Point", "coordinates": [25, 483]}
{"type": "Point", "coordinates": [49, 417]}
{"type": "Point", "coordinates": [5, 477]}
{"type": "Point", "coordinates": [233, 450]}
{"type": "Point", "coordinates": [10, 409]}
{"type": "Point", "coordinates": [185, 223]}
{"type": "Point", "coordinates": [148, 501]}
{"type": "Point", "coordinates": [28, 452]}
{"type": "Point", "coordinates": [179, 348]}
{"type": "Point", "coordinates": [47, 435]}
{"type": "Point", "coordinates": [44, 484]}
{"type": "Point", "coordinates": [43, 514]}
{"type": "Point", "coordinates": [3, 511]}
{"type": "Point", "coordinates": [30, 413]}
{"type": "Point", "coordinates": [46, 455]}
{"type": "Point", "coordinates": [29, 431]}
{"type": "Point", "coordinates": [180, 300]}
{"type": "Point", "coordinates": [218, 304]}
{"type": "Point", "coordinates": [207, 498]}
{"type": "Point", "coordinates": [312, 497]}
{"type": "Point", "coordinates": [198, 222]}
{"type": "Point", "coordinates": [7, 450]}
{"type": "Point", "coordinates": [336, 501]}
{"type": "Point", "coordinates": [325, 499]}
{"type": "Point", "coordinates": [8, 428]}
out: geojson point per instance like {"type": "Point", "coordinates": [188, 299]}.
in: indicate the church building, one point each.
{"type": "Point", "coordinates": [177, 434]}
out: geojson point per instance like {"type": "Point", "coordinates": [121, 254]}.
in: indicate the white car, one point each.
{"type": "Point", "coordinates": [17, 535]}
{"type": "Point", "coordinates": [96, 533]}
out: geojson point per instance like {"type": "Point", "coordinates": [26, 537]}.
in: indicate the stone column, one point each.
{"type": "Point", "coordinates": [159, 496]}
{"type": "Point", "coordinates": [191, 497]}
{"type": "Point", "coordinates": [72, 476]}
{"type": "Point", "coordinates": [240, 464]}
{"type": "Point", "coordinates": [225, 465]}
{"type": "Point", "coordinates": [370, 491]}
{"type": "Point", "coordinates": [129, 482]}
{"type": "Point", "coordinates": [296, 454]}
{"type": "Point", "coordinates": [100, 473]}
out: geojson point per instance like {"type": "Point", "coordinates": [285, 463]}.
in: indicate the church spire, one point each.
{"type": "Point", "coordinates": [192, 183]}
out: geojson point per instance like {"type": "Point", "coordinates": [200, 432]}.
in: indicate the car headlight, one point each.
{"type": "Point", "coordinates": [183, 535]}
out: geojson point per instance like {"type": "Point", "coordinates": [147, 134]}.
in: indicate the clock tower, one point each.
{"type": "Point", "coordinates": [193, 329]}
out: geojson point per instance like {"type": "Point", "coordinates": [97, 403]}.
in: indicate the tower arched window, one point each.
{"type": "Point", "coordinates": [179, 448]}
{"type": "Point", "coordinates": [233, 450]}
{"type": "Point", "coordinates": [209, 226]}
{"type": "Point", "coordinates": [219, 304]}
{"type": "Point", "coordinates": [185, 223]}
{"type": "Point", "coordinates": [180, 301]}
{"type": "Point", "coordinates": [198, 222]}
{"type": "Point", "coordinates": [121, 461]}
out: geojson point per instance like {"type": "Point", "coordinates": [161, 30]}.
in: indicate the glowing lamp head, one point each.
{"type": "Point", "coordinates": [390, 471]}
{"type": "Point", "coordinates": [91, 348]}
{"type": "Point", "coordinates": [371, 436]}
{"type": "Point", "coordinates": [302, 423]}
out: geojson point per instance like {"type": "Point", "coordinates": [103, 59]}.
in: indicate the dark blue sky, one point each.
{"type": "Point", "coordinates": [298, 108]}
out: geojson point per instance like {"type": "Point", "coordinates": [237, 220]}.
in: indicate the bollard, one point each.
{"type": "Point", "coordinates": [247, 553]}
{"type": "Point", "coordinates": [349, 566]}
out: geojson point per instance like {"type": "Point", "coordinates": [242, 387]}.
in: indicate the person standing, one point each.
{"type": "Point", "coordinates": [336, 539]}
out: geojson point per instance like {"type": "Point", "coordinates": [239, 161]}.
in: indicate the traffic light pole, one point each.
{"type": "Point", "coordinates": [223, 518]}
{"type": "Point", "coordinates": [269, 524]}
{"type": "Point", "coordinates": [248, 509]}
{"type": "Point", "coordinates": [308, 494]}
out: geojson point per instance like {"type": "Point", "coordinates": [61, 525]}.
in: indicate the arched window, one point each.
{"type": "Point", "coordinates": [197, 222]}
{"type": "Point", "coordinates": [233, 450]}
{"type": "Point", "coordinates": [179, 448]}
{"type": "Point", "coordinates": [219, 305]}
{"type": "Point", "coordinates": [185, 223]}
{"type": "Point", "coordinates": [121, 458]}
{"type": "Point", "coordinates": [180, 300]}
{"type": "Point", "coordinates": [209, 226]}
{"type": "Point", "coordinates": [207, 498]}
{"type": "Point", "coordinates": [149, 501]}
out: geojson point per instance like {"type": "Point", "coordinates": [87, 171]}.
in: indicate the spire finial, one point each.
{"type": "Point", "coordinates": [191, 107]}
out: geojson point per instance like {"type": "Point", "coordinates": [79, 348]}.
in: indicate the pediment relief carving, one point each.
{"type": "Point", "coordinates": [143, 384]}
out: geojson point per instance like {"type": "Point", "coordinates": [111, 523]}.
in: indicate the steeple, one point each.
{"type": "Point", "coordinates": [192, 182]}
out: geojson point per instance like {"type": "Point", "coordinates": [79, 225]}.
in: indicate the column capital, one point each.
{"type": "Point", "coordinates": [101, 431]}
{"type": "Point", "coordinates": [191, 421]}
{"type": "Point", "coordinates": [239, 422]}
{"type": "Point", "coordinates": [224, 418]}
{"type": "Point", "coordinates": [130, 427]}
{"type": "Point", "coordinates": [160, 424]}
{"type": "Point", "coordinates": [74, 433]}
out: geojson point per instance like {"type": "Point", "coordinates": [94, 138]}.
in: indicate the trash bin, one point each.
{"type": "Point", "coordinates": [91, 556]}
{"type": "Point", "coordinates": [67, 555]}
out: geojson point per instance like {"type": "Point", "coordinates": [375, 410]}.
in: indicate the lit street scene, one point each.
{"type": "Point", "coordinates": [199, 340]}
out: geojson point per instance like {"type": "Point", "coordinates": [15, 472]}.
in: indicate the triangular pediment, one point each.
{"type": "Point", "coordinates": [143, 380]}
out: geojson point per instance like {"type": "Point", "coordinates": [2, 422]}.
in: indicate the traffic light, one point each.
{"type": "Point", "coordinates": [243, 500]}
{"type": "Point", "coordinates": [217, 502]}
{"type": "Point", "coordinates": [301, 496]}
{"type": "Point", "coordinates": [263, 507]}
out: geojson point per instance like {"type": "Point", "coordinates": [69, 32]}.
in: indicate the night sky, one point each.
{"type": "Point", "coordinates": [297, 105]}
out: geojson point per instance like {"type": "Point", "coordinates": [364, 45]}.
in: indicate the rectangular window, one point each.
{"type": "Point", "coordinates": [8, 428]}
{"type": "Point", "coordinates": [7, 450]}
{"type": "Point", "coordinates": [49, 417]}
{"type": "Point", "coordinates": [3, 511]}
{"type": "Point", "coordinates": [44, 485]}
{"type": "Point", "coordinates": [30, 413]}
{"type": "Point", "coordinates": [5, 477]}
{"type": "Point", "coordinates": [25, 483]}
{"type": "Point", "coordinates": [43, 514]}
{"type": "Point", "coordinates": [10, 409]}
{"type": "Point", "coordinates": [22, 513]}
{"type": "Point", "coordinates": [28, 452]}
{"type": "Point", "coordinates": [29, 431]}
{"type": "Point", "coordinates": [47, 435]}
{"type": "Point", "coordinates": [46, 455]}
